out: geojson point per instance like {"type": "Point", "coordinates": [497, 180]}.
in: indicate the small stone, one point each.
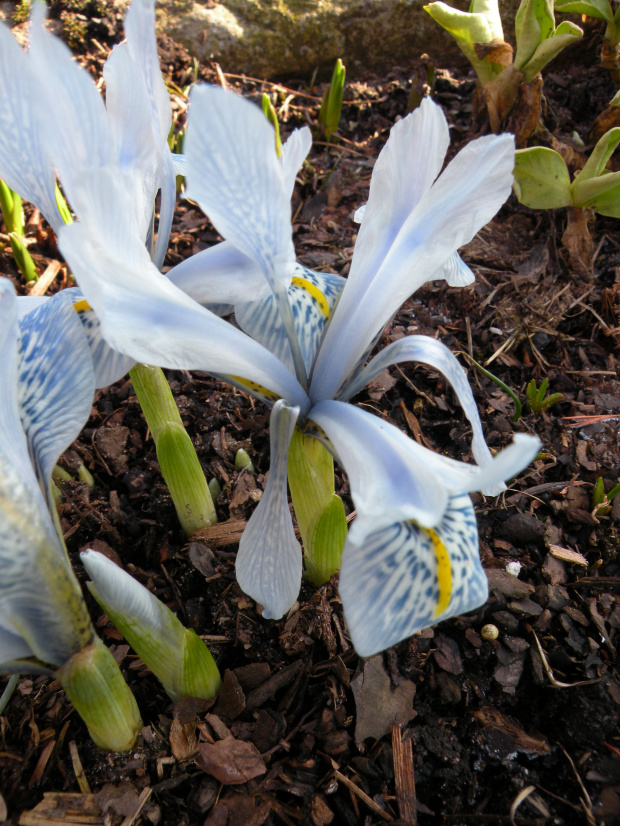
{"type": "Point", "coordinates": [489, 632]}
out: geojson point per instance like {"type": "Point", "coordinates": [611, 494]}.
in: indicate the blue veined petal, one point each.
{"type": "Point", "coordinates": [403, 578]}
{"type": "Point", "coordinates": [25, 164]}
{"type": "Point", "coordinates": [56, 383]}
{"type": "Point", "coordinates": [12, 648]}
{"type": "Point", "coordinates": [235, 175]}
{"type": "Point", "coordinates": [39, 595]}
{"type": "Point", "coordinates": [312, 297]}
{"type": "Point", "coordinates": [269, 558]}
{"type": "Point", "coordinates": [432, 352]}
{"type": "Point", "coordinates": [12, 436]}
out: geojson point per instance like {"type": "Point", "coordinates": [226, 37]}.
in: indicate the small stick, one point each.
{"type": "Point", "coordinates": [78, 769]}
{"type": "Point", "coordinates": [404, 777]}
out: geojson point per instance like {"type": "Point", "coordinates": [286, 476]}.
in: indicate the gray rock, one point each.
{"type": "Point", "coordinates": [270, 38]}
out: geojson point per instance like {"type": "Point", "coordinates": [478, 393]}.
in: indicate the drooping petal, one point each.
{"type": "Point", "coordinates": [312, 297]}
{"type": "Point", "coordinates": [12, 648]}
{"type": "Point", "coordinates": [269, 559]}
{"type": "Point", "coordinates": [402, 578]}
{"type": "Point", "coordinates": [395, 479]}
{"type": "Point", "coordinates": [455, 271]}
{"type": "Point", "coordinates": [234, 174]}
{"type": "Point", "coordinates": [55, 385]}
{"type": "Point", "coordinates": [145, 316]}
{"type": "Point", "coordinates": [462, 200]}
{"type": "Point", "coordinates": [432, 352]}
{"type": "Point", "coordinates": [25, 164]}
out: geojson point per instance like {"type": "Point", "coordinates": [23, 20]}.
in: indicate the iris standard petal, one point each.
{"type": "Point", "coordinates": [235, 175]}
{"type": "Point", "coordinates": [55, 383]}
{"type": "Point", "coordinates": [462, 200]}
{"type": "Point", "coordinates": [269, 558]}
{"type": "Point", "coordinates": [294, 152]}
{"type": "Point", "coordinates": [403, 578]}
{"type": "Point", "coordinates": [145, 316]}
{"type": "Point", "coordinates": [72, 115]}
{"type": "Point", "coordinates": [25, 164]}
{"type": "Point", "coordinates": [403, 174]}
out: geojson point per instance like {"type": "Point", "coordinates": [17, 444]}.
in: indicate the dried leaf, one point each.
{"type": "Point", "coordinates": [378, 706]}
{"type": "Point", "coordinates": [230, 761]}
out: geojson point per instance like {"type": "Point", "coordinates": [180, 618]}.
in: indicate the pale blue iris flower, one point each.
{"type": "Point", "coordinates": [411, 557]}
{"type": "Point", "coordinates": [47, 385]}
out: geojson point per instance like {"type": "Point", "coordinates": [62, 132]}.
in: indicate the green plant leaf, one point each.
{"type": "Point", "coordinates": [323, 555]}
{"type": "Point", "coordinates": [541, 179]}
{"type": "Point", "coordinates": [480, 26]}
{"type": "Point", "coordinates": [602, 194]}
{"type": "Point", "coordinates": [599, 156]}
{"type": "Point", "coordinates": [600, 9]}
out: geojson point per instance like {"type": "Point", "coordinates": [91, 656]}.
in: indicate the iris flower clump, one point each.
{"type": "Point", "coordinates": [304, 339]}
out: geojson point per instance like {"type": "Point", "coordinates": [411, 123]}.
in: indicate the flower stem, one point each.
{"type": "Point", "coordinates": [176, 454]}
{"type": "Point", "coordinates": [319, 511]}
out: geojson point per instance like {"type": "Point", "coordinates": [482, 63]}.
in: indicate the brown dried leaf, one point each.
{"type": "Point", "coordinates": [378, 706]}
{"type": "Point", "coordinates": [231, 761]}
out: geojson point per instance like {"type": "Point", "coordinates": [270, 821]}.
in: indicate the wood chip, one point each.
{"type": "Point", "coordinates": [222, 534]}
{"type": "Point", "coordinates": [231, 761]}
{"type": "Point", "coordinates": [58, 808]}
{"type": "Point", "coordinates": [404, 777]}
{"type": "Point", "coordinates": [568, 555]}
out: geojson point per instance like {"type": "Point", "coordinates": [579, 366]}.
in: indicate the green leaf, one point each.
{"type": "Point", "coordinates": [602, 194]}
{"type": "Point", "coordinates": [481, 25]}
{"type": "Point", "coordinates": [541, 178]}
{"type": "Point", "coordinates": [331, 105]}
{"type": "Point", "coordinates": [310, 479]}
{"type": "Point", "coordinates": [271, 115]}
{"type": "Point", "coordinates": [550, 48]}
{"type": "Point", "coordinates": [534, 23]}
{"type": "Point", "coordinates": [599, 156]}
{"type": "Point", "coordinates": [22, 257]}
{"type": "Point", "coordinates": [600, 9]}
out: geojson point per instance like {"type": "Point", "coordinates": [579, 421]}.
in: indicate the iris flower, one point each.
{"type": "Point", "coordinates": [411, 556]}
{"type": "Point", "coordinates": [46, 391]}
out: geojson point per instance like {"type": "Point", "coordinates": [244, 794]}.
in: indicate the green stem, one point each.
{"type": "Point", "coordinates": [176, 454]}
{"type": "Point", "coordinates": [319, 511]}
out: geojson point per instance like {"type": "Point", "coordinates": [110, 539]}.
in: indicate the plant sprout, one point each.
{"type": "Point", "coordinates": [511, 86]}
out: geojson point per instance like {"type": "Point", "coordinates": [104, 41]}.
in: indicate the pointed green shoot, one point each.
{"type": "Point", "coordinates": [536, 396]}
{"type": "Point", "coordinates": [63, 208]}
{"type": "Point", "coordinates": [319, 511]}
{"type": "Point", "coordinates": [272, 117]}
{"type": "Point", "coordinates": [482, 24]}
{"type": "Point", "coordinates": [94, 684]}
{"type": "Point", "coordinates": [176, 655]}
{"type": "Point", "coordinates": [243, 461]}
{"type": "Point", "coordinates": [331, 105]}
{"type": "Point", "coordinates": [601, 501]}
{"type": "Point", "coordinates": [11, 205]}
{"type": "Point", "coordinates": [176, 454]}
{"type": "Point", "coordinates": [22, 257]}
{"type": "Point", "coordinates": [541, 179]}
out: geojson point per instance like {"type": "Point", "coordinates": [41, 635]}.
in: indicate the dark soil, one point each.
{"type": "Point", "coordinates": [497, 729]}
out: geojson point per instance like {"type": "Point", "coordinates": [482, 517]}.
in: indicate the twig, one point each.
{"type": "Point", "coordinates": [78, 769]}
{"type": "Point", "coordinates": [556, 683]}
{"type": "Point", "coordinates": [361, 794]}
{"type": "Point", "coordinates": [404, 777]}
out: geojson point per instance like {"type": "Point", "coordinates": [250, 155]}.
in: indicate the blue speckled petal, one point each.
{"type": "Point", "coordinates": [404, 578]}
{"type": "Point", "coordinates": [312, 297]}
{"type": "Point", "coordinates": [56, 383]}
{"type": "Point", "coordinates": [269, 558]}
